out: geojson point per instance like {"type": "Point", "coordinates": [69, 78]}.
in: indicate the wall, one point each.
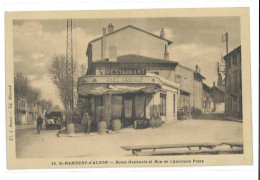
{"type": "Point", "coordinates": [185, 77]}
{"type": "Point", "coordinates": [197, 95]}
{"type": "Point", "coordinates": [233, 85]}
{"type": "Point", "coordinates": [130, 41]}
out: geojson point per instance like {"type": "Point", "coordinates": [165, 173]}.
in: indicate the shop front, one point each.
{"type": "Point", "coordinates": [127, 98]}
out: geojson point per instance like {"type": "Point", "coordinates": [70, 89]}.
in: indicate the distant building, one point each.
{"type": "Point", "coordinates": [190, 88]}
{"type": "Point", "coordinates": [21, 113]}
{"type": "Point", "coordinates": [233, 82]}
{"type": "Point", "coordinates": [218, 94]}
{"type": "Point", "coordinates": [26, 112]}
{"type": "Point", "coordinates": [207, 100]}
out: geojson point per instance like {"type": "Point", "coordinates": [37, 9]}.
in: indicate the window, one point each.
{"type": "Point", "coordinates": [234, 59]}
{"type": "Point", "coordinates": [235, 79]}
{"type": "Point", "coordinates": [228, 63]}
{"type": "Point", "coordinates": [162, 104]}
{"type": "Point", "coordinates": [157, 73]}
{"type": "Point", "coordinates": [174, 98]}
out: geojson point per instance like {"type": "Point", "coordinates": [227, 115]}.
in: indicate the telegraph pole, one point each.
{"type": "Point", "coordinates": [225, 39]}
{"type": "Point", "coordinates": [69, 59]}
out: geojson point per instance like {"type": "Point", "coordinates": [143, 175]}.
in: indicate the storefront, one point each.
{"type": "Point", "coordinates": [128, 97]}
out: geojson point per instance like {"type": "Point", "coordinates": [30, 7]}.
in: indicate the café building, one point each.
{"type": "Point", "coordinates": [123, 81]}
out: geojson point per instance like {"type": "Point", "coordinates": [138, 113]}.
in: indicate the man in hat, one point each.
{"type": "Point", "coordinates": [86, 120]}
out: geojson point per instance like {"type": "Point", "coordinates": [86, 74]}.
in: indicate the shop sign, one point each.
{"type": "Point", "coordinates": [131, 71]}
{"type": "Point", "coordinates": [120, 79]}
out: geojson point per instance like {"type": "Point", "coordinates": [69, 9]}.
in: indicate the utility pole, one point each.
{"type": "Point", "coordinates": [69, 60]}
{"type": "Point", "coordinates": [214, 86]}
{"type": "Point", "coordinates": [225, 39]}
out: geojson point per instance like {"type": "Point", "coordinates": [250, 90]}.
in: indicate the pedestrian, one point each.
{"type": "Point", "coordinates": [86, 122]}
{"type": "Point", "coordinates": [39, 124]}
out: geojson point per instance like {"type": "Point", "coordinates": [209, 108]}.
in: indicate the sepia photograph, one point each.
{"type": "Point", "coordinates": [107, 90]}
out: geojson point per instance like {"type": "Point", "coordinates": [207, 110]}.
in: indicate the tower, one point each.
{"type": "Point", "coordinates": [69, 63]}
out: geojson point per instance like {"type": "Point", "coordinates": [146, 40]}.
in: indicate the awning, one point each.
{"type": "Point", "coordinates": [98, 85]}
{"type": "Point", "coordinates": [99, 89]}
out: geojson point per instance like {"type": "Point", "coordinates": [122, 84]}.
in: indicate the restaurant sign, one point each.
{"type": "Point", "coordinates": [128, 71]}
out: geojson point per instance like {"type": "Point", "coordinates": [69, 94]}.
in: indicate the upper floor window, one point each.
{"type": "Point", "coordinates": [234, 59]}
{"type": "Point", "coordinates": [228, 63]}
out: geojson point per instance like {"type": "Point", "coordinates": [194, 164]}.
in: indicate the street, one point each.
{"type": "Point", "coordinates": [29, 144]}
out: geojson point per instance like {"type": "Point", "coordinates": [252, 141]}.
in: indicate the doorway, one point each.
{"type": "Point", "coordinates": [128, 111]}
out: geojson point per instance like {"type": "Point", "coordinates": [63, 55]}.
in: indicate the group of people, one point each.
{"type": "Point", "coordinates": [86, 121]}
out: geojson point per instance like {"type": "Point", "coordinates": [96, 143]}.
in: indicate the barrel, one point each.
{"type": "Point", "coordinates": [158, 122]}
{"type": "Point", "coordinates": [116, 125]}
{"type": "Point", "coordinates": [79, 128]}
{"type": "Point", "coordinates": [102, 127]}
{"type": "Point", "coordinates": [71, 128]}
{"type": "Point", "coordinates": [152, 123]}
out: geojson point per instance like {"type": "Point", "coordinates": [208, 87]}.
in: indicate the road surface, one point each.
{"type": "Point", "coordinates": [29, 144]}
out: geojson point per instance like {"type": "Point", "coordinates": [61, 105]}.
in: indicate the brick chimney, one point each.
{"type": "Point", "coordinates": [110, 28]}
{"type": "Point", "coordinates": [166, 53]}
{"type": "Point", "coordinates": [162, 34]}
{"type": "Point", "coordinates": [103, 45]}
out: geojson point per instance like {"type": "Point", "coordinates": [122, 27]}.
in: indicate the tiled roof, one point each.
{"type": "Point", "coordinates": [136, 28]}
{"type": "Point", "coordinates": [136, 59]}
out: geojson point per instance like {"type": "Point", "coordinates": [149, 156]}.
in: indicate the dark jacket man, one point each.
{"type": "Point", "coordinates": [39, 124]}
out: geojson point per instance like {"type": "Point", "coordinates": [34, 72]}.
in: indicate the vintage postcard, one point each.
{"type": "Point", "coordinates": [128, 88]}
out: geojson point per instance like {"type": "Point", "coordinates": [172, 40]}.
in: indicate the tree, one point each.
{"type": "Point", "coordinates": [21, 85]}
{"type": "Point", "coordinates": [61, 75]}
{"type": "Point", "coordinates": [23, 88]}
{"type": "Point", "coordinates": [46, 104]}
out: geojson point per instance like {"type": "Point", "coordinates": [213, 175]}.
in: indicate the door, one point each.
{"type": "Point", "coordinates": [128, 111]}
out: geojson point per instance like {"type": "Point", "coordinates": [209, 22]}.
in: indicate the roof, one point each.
{"type": "Point", "coordinates": [232, 52]}
{"type": "Point", "coordinates": [199, 75]}
{"type": "Point", "coordinates": [221, 88]}
{"type": "Point", "coordinates": [136, 28]}
{"type": "Point", "coordinates": [195, 73]}
{"type": "Point", "coordinates": [206, 87]}
{"type": "Point", "coordinates": [136, 59]}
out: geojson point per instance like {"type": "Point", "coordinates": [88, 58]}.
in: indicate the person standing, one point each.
{"type": "Point", "coordinates": [39, 124]}
{"type": "Point", "coordinates": [86, 122]}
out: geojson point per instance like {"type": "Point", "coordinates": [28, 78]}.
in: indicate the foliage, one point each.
{"type": "Point", "coordinates": [23, 88]}
{"type": "Point", "coordinates": [61, 74]}
{"type": "Point", "coordinates": [46, 104]}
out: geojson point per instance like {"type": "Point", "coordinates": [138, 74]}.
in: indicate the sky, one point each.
{"type": "Point", "coordinates": [196, 40]}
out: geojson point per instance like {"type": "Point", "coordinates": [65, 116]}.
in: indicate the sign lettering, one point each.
{"type": "Point", "coordinates": [111, 71]}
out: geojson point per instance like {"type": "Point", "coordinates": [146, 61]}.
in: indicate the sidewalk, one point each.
{"type": "Point", "coordinates": [23, 127]}
{"type": "Point", "coordinates": [216, 116]}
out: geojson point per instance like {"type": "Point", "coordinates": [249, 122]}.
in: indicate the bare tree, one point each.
{"type": "Point", "coordinates": [61, 74]}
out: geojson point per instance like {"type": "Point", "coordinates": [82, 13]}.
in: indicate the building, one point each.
{"type": "Point", "coordinates": [26, 112]}
{"type": "Point", "coordinates": [207, 100]}
{"type": "Point", "coordinates": [129, 71]}
{"type": "Point", "coordinates": [126, 76]}
{"type": "Point", "coordinates": [191, 91]}
{"type": "Point", "coordinates": [233, 82]}
{"type": "Point", "coordinates": [21, 112]}
{"type": "Point", "coordinates": [218, 94]}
